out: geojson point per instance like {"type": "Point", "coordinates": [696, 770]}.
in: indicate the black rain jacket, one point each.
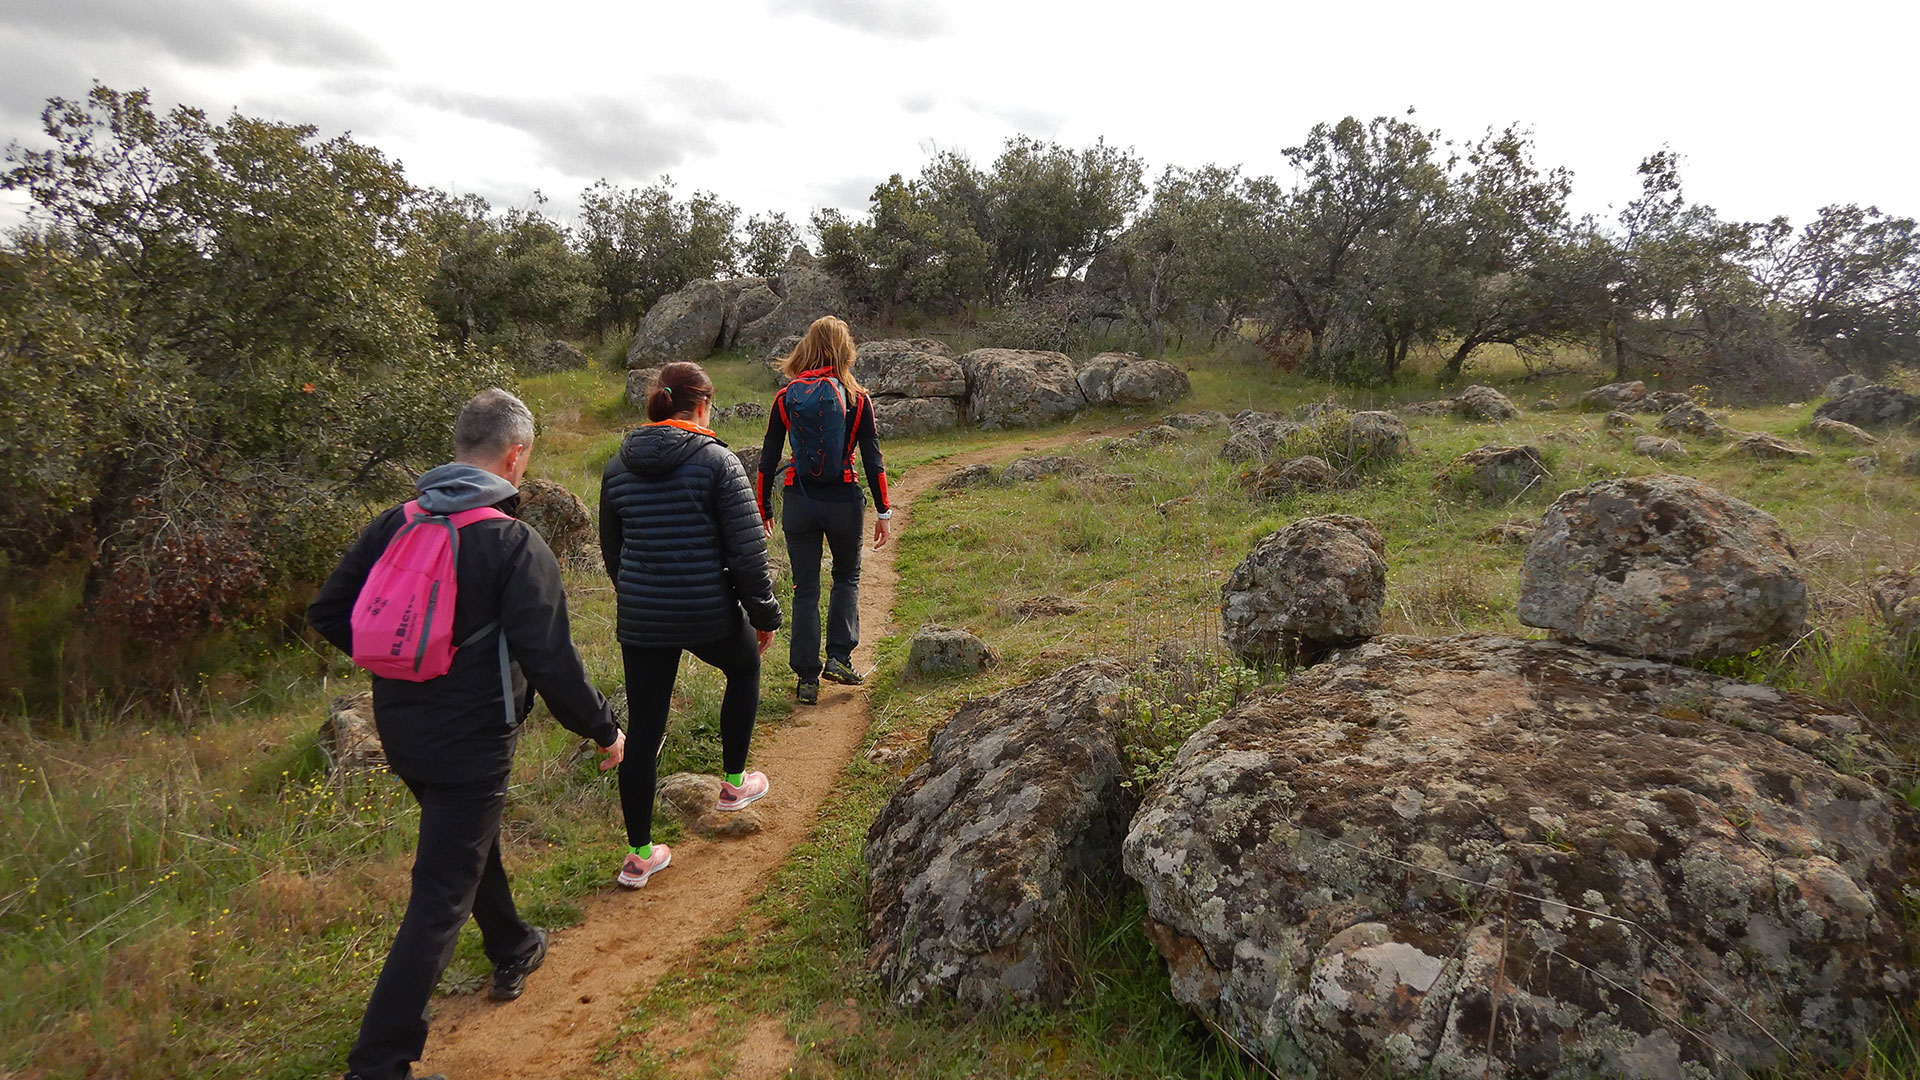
{"type": "Point", "coordinates": [453, 729]}
{"type": "Point", "coordinates": [682, 539]}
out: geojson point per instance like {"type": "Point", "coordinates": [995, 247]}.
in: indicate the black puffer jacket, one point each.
{"type": "Point", "coordinates": [682, 539]}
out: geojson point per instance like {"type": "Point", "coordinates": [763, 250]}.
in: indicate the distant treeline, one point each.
{"type": "Point", "coordinates": [219, 340]}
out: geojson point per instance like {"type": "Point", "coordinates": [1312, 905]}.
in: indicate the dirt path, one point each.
{"type": "Point", "coordinates": [627, 940]}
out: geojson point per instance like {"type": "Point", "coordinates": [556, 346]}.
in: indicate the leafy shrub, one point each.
{"type": "Point", "coordinates": [1171, 700]}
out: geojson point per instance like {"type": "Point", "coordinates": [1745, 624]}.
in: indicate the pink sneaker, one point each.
{"type": "Point", "coordinates": [752, 786]}
{"type": "Point", "coordinates": [636, 870]}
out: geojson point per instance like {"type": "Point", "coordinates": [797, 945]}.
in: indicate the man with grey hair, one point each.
{"type": "Point", "coordinates": [451, 739]}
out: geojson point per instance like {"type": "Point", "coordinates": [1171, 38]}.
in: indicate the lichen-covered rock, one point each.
{"type": "Point", "coordinates": [1764, 447]}
{"type": "Point", "coordinates": [1659, 449]}
{"type": "Point", "coordinates": [977, 861]}
{"type": "Point", "coordinates": [349, 740]}
{"type": "Point", "coordinates": [805, 293]}
{"type": "Point", "coordinates": [775, 358]}
{"type": "Point", "coordinates": [640, 386]}
{"type": "Point", "coordinates": [1500, 472]}
{"type": "Point", "coordinates": [1662, 566]}
{"type": "Point", "coordinates": [1871, 406]}
{"type": "Point", "coordinates": [1025, 469]}
{"type": "Point", "coordinates": [1144, 439]}
{"type": "Point", "coordinates": [1437, 407]}
{"type": "Point", "coordinates": [891, 368]}
{"type": "Point", "coordinates": [1196, 421]}
{"type": "Point", "coordinates": [1507, 532]}
{"type": "Point", "coordinates": [561, 519]}
{"type": "Point", "coordinates": [1691, 419]}
{"type": "Point", "coordinates": [1613, 395]}
{"type": "Point", "coordinates": [1356, 442]}
{"type": "Point", "coordinates": [1477, 856]}
{"type": "Point", "coordinates": [1840, 432]}
{"type": "Point", "coordinates": [749, 459]}
{"type": "Point", "coordinates": [1255, 440]}
{"type": "Point", "coordinates": [1019, 387]}
{"type": "Point", "coordinates": [1546, 405]}
{"type": "Point", "coordinates": [693, 800]}
{"type": "Point", "coordinates": [967, 476]}
{"type": "Point", "coordinates": [903, 417]}
{"type": "Point", "coordinates": [1896, 599]}
{"type": "Point", "coordinates": [681, 326]}
{"type": "Point", "coordinates": [1845, 384]}
{"type": "Point", "coordinates": [1662, 401]}
{"type": "Point", "coordinates": [1113, 378]}
{"type": "Point", "coordinates": [1618, 421]}
{"type": "Point", "coordinates": [1282, 478]}
{"type": "Point", "coordinates": [1484, 403]}
{"type": "Point", "coordinates": [749, 300]}
{"type": "Point", "coordinates": [937, 651]}
{"type": "Point", "coordinates": [555, 355]}
{"type": "Point", "coordinates": [1046, 607]}
{"type": "Point", "coordinates": [1317, 584]}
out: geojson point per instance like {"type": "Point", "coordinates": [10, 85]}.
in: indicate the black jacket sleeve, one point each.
{"type": "Point", "coordinates": [743, 540]}
{"type": "Point", "coordinates": [771, 449]}
{"type": "Point", "coordinates": [331, 612]}
{"type": "Point", "coordinates": [533, 615]}
{"type": "Point", "coordinates": [612, 538]}
{"type": "Point", "coordinates": [867, 436]}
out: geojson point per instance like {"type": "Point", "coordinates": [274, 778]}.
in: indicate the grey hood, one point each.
{"type": "Point", "coordinates": [449, 489]}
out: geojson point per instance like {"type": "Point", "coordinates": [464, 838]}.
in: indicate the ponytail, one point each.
{"type": "Point", "coordinates": [677, 391]}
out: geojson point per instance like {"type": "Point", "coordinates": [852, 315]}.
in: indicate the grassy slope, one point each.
{"type": "Point", "coordinates": [198, 900]}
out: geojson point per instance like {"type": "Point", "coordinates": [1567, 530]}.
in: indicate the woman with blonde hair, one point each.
{"type": "Point", "coordinates": [825, 415]}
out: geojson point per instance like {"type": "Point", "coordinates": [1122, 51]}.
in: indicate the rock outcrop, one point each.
{"type": "Point", "coordinates": [802, 293]}
{"type": "Point", "coordinates": [746, 312]}
{"type": "Point", "coordinates": [555, 355]}
{"type": "Point", "coordinates": [901, 417]}
{"type": "Point", "coordinates": [976, 863]}
{"type": "Point", "coordinates": [1871, 406]}
{"type": "Point", "coordinates": [1020, 387]}
{"type": "Point", "coordinates": [1280, 479]}
{"type": "Point", "coordinates": [1315, 585]}
{"type": "Point", "coordinates": [562, 520]}
{"type": "Point", "coordinates": [1022, 470]}
{"type": "Point", "coordinates": [1662, 566]}
{"type": "Point", "coordinates": [1499, 472]}
{"type": "Point", "coordinates": [681, 326]}
{"type": "Point", "coordinates": [1613, 395]}
{"type": "Point", "coordinates": [1764, 447]}
{"type": "Point", "coordinates": [639, 385]}
{"type": "Point", "coordinates": [1113, 378]}
{"type": "Point", "coordinates": [1845, 384]}
{"type": "Point", "coordinates": [1484, 403]}
{"type": "Point", "coordinates": [939, 651]}
{"type": "Point", "coordinates": [1840, 433]}
{"type": "Point", "coordinates": [1691, 419]}
{"type": "Point", "coordinates": [1354, 442]}
{"type": "Point", "coordinates": [1476, 856]}
{"type": "Point", "coordinates": [918, 368]}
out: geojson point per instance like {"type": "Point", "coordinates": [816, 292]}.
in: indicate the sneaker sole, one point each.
{"type": "Point", "coordinates": [627, 881]}
{"type": "Point", "coordinates": [854, 680]}
{"type": "Point", "coordinates": [741, 804]}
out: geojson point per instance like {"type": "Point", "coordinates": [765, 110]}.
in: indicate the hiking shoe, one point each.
{"type": "Point", "coordinates": [636, 870]}
{"type": "Point", "coordinates": [752, 787]}
{"type": "Point", "coordinates": [842, 672]}
{"type": "Point", "coordinates": [510, 980]}
{"type": "Point", "coordinates": [808, 692]}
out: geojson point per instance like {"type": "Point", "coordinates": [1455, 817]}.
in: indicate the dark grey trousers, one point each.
{"type": "Point", "coordinates": [807, 523]}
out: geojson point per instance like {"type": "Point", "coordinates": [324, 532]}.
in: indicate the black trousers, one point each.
{"type": "Point", "coordinates": [456, 873]}
{"type": "Point", "coordinates": [808, 522]}
{"type": "Point", "coordinates": [651, 673]}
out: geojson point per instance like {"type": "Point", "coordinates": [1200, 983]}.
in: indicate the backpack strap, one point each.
{"type": "Point", "coordinates": [456, 521]}
{"type": "Point", "coordinates": [860, 402]}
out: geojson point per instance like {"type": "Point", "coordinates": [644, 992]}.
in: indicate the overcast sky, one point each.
{"type": "Point", "coordinates": [808, 103]}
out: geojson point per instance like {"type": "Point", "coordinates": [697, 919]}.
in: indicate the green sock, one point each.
{"type": "Point", "coordinates": [645, 852]}
{"type": "Point", "coordinates": [736, 778]}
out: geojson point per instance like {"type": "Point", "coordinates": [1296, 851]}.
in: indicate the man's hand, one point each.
{"type": "Point", "coordinates": [765, 638]}
{"type": "Point", "coordinates": [615, 752]}
{"type": "Point", "coordinates": [881, 532]}
{"type": "Point", "coordinates": [767, 523]}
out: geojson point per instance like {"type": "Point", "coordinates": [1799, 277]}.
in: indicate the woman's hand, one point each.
{"type": "Point", "coordinates": [881, 532]}
{"type": "Point", "coordinates": [767, 523]}
{"type": "Point", "coordinates": [764, 637]}
{"type": "Point", "coordinates": [615, 751]}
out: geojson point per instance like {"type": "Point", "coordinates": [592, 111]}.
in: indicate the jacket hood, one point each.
{"type": "Point", "coordinates": [661, 448]}
{"type": "Point", "coordinates": [449, 489]}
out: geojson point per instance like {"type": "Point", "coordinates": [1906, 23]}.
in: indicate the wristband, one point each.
{"type": "Point", "coordinates": [884, 515]}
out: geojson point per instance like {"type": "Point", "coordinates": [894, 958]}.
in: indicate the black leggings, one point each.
{"type": "Point", "coordinates": [650, 677]}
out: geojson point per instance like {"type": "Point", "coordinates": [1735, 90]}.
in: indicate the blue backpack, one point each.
{"type": "Point", "coordinates": [815, 409]}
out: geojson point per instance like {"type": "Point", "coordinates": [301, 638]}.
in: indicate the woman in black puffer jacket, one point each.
{"type": "Point", "coordinates": [683, 542]}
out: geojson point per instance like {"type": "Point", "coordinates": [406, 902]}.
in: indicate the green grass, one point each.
{"type": "Point", "coordinates": [183, 893]}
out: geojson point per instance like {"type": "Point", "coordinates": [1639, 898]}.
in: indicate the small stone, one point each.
{"type": "Point", "coordinates": [938, 651]}
{"type": "Point", "coordinates": [1281, 479]}
{"type": "Point", "coordinates": [1654, 446]}
{"type": "Point", "coordinates": [1318, 584]}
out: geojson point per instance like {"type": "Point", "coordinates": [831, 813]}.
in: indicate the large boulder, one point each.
{"type": "Point", "coordinates": [1317, 584]}
{"type": "Point", "coordinates": [1257, 438]}
{"type": "Point", "coordinates": [555, 355]}
{"type": "Point", "coordinates": [1484, 403]}
{"type": "Point", "coordinates": [888, 370]}
{"type": "Point", "coordinates": [1499, 472]}
{"type": "Point", "coordinates": [640, 386]}
{"type": "Point", "coordinates": [1846, 384]}
{"type": "Point", "coordinates": [1872, 406]}
{"type": "Point", "coordinates": [1617, 395]}
{"type": "Point", "coordinates": [1477, 856]}
{"type": "Point", "coordinates": [681, 326]}
{"type": "Point", "coordinates": [748, 301]}
{"type": "Point", "coordinates": [805, 293]}
{"type": "Point", "coordinates": [775, 358]}
{"type": "Point", "coordinates": [1020, 387]}
{"type": "Point", "coordinates": [1113, 378]}
{"type": "Point", "coordinates": [1662, 566]}
{"type": "Point", "coordinates": [975, 866]}
{"type": "Point", "coordinates": [1279, 479]}
{"type": "Point", "coordinates": [903, 417]}
{"type": "Point", "coordinates": [1359, 441]}
{"type": "Point", "coordinates": [561, 519]}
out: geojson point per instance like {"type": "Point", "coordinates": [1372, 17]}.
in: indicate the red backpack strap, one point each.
{"type": "Point", "coordinates": [860, 402]}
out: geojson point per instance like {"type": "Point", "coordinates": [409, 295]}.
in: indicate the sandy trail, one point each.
{"type": "Point", "coordinates": [626, 941]}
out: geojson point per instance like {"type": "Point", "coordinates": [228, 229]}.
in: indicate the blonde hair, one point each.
{"type": "Point", "coordinates": [827, 343]}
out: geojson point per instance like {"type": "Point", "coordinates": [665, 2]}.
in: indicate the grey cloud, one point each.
{"type": "Point", "coordinates": [712, 99]}
{"type": "Point", "coordinates": [591, 137]}
{"type": "Point", "coordinates": [197, 31]}
{"type": "Point", "coordinates": [849, 193]}
{"type": "Point", "coordinates": [29, 78]}
{"type": "Point", "coordinates": [1024, 119]}
{"type": "Point", "coordinates": [912, 19]}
